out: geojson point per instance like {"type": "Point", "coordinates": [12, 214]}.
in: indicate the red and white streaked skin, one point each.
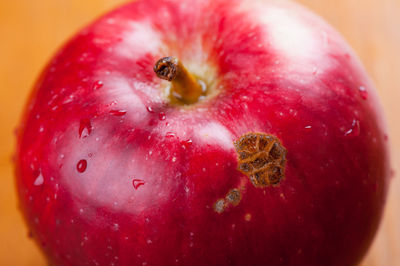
{"type": "Point", "coordinates": [110, 173]}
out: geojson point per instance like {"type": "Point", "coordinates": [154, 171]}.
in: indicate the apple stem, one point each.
{"type": "Point", "coordinates": [186, 88]}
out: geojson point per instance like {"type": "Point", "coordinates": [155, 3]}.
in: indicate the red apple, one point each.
{"type": "Point", "coordinates": [266, 148]}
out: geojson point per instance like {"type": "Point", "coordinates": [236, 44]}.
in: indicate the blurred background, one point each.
{"type": "Point", "coordinates": [31, 31]}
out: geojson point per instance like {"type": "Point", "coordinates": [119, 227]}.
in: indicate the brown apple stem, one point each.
{"type": "Point", "coordinates": [185, 87]}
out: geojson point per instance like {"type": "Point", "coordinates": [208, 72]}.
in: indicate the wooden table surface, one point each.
{"type": "Point", "coordinates": [31, 31]}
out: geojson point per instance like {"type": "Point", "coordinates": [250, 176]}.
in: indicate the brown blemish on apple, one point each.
{"type": "Point", "coordinates": [233, 198]}
{"type": "Point", "coordinates": [219, 206]}
{"type": "Point", "coordinates": [262, 158]}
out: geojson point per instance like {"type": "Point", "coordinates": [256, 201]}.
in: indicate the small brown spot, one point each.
{"type": "Point", "coordinates": [219, 206]}
{"type": "Point", "coordinates": [247, 217]}
{"type": "Point", "coordinates": [233, 197]}
{"type": "Point", "coordinates": [262, 158]}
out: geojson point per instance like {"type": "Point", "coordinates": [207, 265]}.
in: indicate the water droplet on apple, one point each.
{"type": "Point", "coordinates": [149, 109]}
{"type": "Point", "coordinates": [97, 85]}
{"type": "Point", "coordinates": [137, 183]}
{"type": "Point", "coordinates": [169, 135]}
{"type": "Point", "coordinates": [115, 227]}
{"type": "Point", "coordinates": [149, 241]}
{"type": "Point", "coordinates": [187, 143]}
{"type": "Point", "coordinates": [41, 129]}
{"type": "Point", "coordinates": [162, 116]}
{"type": "Point", "coordinates": [308, 127]}
{"type": "Point", "coordinates": [363, 92]}
{"type": "Point", "coordinates": [85, 128]}
{"type": "Point", "coordinates": [187, 189]}
{"type": "Point", "coordinates": [81, 166]}
{"type": "Point", "coordinates": [354, 131]}
{"type": "Point", "coordinates": [39, 180]}
{"type": "Point", "coordinates": [118, 112]}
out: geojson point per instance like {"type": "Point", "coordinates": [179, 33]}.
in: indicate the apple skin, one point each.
{"type": "Point", "coordinates": [110, 173]}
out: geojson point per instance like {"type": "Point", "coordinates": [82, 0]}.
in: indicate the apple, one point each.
{"type": "Point", "coordinates": [209, 132]}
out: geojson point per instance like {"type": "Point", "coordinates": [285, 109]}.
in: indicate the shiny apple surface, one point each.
{"type": "Point", "coordinates": [111, 172]}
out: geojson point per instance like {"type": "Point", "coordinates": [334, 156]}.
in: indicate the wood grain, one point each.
{"type": "Point", "coordinates": [32, 30]}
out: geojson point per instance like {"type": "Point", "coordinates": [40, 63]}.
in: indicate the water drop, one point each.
{"type": "Point", "coordinates": [169, 135]}
{"type": "Point", "coordinates": [187, 143]}
{"type": "Point", "coordinates": [41, 129]}
{"type": "Point", "coordinates": [85, 128]}
{"type": "Point", "coordinates": [116, 227]}
{"type": "Point", "coordinates": [137, 183]}
{"type": "Point", "coordinates": [97, 85]}
{"type": "Point", "coordinates": [81, 166]}
{"type": "Point", "coordinates": [354, 131]}
{"type": "Point", "coordinates": [112, 103]}
{"type": "Point", "coordinates": [307, 127]}
{"type": "Point", "coordinates": [363, 92]}
{"type": "Point", "coordinates": [118, 112]}
{"type": "Point", "coordinates": [39, 179]}
{"type": "Point", "coordinates": [162, 116]}
{"type": "Point", "coordinates": [149, 109]}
